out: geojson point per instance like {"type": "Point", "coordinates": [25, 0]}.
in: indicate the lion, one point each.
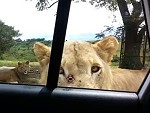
{"type": "Point", "coordinates": [18, 74]}
{"type": "Point", "coordinates": [87, 65]}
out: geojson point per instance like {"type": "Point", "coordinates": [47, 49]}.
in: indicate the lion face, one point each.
{"type": "Point", "coordinates": [83, 64]}
{"type": "Point", "coordinates": [80, 66]}
{"type": "Point", "coordinates": [23, 68]}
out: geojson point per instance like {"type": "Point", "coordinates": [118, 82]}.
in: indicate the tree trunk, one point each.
{"type": "Point", "coordinates": [131, 54]}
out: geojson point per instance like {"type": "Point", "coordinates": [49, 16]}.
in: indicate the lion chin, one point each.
{"type": "Point", "coordinates": [86, 65]}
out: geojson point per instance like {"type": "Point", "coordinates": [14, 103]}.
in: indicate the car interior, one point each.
{"type": "Point", "coordinates": [28, 98]}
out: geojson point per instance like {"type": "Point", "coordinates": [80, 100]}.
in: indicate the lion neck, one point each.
{"type": "Point", "coordinates": [19, 75]}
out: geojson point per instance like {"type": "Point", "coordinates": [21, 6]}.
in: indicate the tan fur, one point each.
{"type": "Point", "coordinates": [127, 79]}
{"type": "Point", "coordinates": [18, 74]}
{"type": "Point", "coordinates": [42, 53]}
{"type": "Point", "coordinates": [86, 65]}
{"type": "Point", "coordinates": [106, 48]}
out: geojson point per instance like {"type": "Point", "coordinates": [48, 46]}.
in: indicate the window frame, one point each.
{"type": "Point", "coordinates": [63, 99]}
{"type": "Point", "coordinates": [58, 42]}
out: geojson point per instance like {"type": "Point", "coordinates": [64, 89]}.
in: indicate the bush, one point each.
{"type": "Point", "coordinates": [116, 59]}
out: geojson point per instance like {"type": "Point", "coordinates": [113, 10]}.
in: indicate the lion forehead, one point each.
{"type": "Point", "coordinates": [78, 48]}
{"type": "Point", "coordinates": [80, 53]}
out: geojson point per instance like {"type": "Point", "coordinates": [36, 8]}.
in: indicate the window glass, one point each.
{"type": "Point", "coordinates": [106, 46]}
{"type": "Point", "coordinates": [25, 26]}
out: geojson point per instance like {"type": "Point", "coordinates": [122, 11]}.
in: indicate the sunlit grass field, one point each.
{"type": "Point", "coordinates": [14, 63]}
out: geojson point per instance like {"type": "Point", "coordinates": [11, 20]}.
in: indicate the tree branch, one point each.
{"type": "Point", "coordinates": [141, 32]}
{"type": "Point", "coordinates": [140, 20]}
{"type": "Point", "coordinates": [137, 8]}
{"type": "Point", "coordinates": [52, 4]}
{"type": "Point", "coordinates": [123, 9]}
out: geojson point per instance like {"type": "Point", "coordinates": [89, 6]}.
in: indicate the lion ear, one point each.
{"type": "Point", "coordinates": [27, 62]}
{"type": "Point", "coordinates": [42, 52]}
{"type": "Point", "coordinates": [19, 63]}
{"type": "Point", "coordinates": [106, 48]}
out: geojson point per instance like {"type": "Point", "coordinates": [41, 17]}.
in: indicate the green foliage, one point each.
{"type": "Point", "coordinates": [6, 37]}
{"type": "Point", "coordinates": [116, 58]}
{"type": "Point", "coordinates": [8, 63]}
{"type": "Point", "coordinates": [23, 50]}
{"type": "Point", "coordinates": [109, 4]}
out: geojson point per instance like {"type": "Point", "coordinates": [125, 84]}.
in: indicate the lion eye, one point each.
{"type": "Point", "coordinates": [95, 69]}
{"type": "Point", "coordinates": [37, 70]}
{"type": "Point", "coordinates": [25, 72]}
{"type": "Point", "coordinates": [61, 71]}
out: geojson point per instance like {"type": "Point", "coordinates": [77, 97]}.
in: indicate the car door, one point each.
{"type": "Point", "coordinates": [53, 98]}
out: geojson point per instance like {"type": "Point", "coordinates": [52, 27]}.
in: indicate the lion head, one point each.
{"type": "Point", "coordinates": [83, 64]}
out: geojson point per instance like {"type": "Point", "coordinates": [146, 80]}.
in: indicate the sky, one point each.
{"type": "Point", "coordinates": [84, 19]}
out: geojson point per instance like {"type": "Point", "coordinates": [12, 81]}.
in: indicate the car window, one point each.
{"type": "Point", "coordinates": [106, 45]}
{"type": "Point", "coordinates": [65, 98]}
{"type": "Point", "coordinates": [22, 24]}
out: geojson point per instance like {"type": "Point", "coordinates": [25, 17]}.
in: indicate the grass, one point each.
{"type": "Point", "coordinates": [14, 63]}
{"type": "Point", "coordinates": [114, 64]}
{"type": "Point", "coordinates": [8, 63]}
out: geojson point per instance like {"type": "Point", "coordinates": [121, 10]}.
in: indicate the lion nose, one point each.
{"type": "Point", "coordinates": [70, 78]}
